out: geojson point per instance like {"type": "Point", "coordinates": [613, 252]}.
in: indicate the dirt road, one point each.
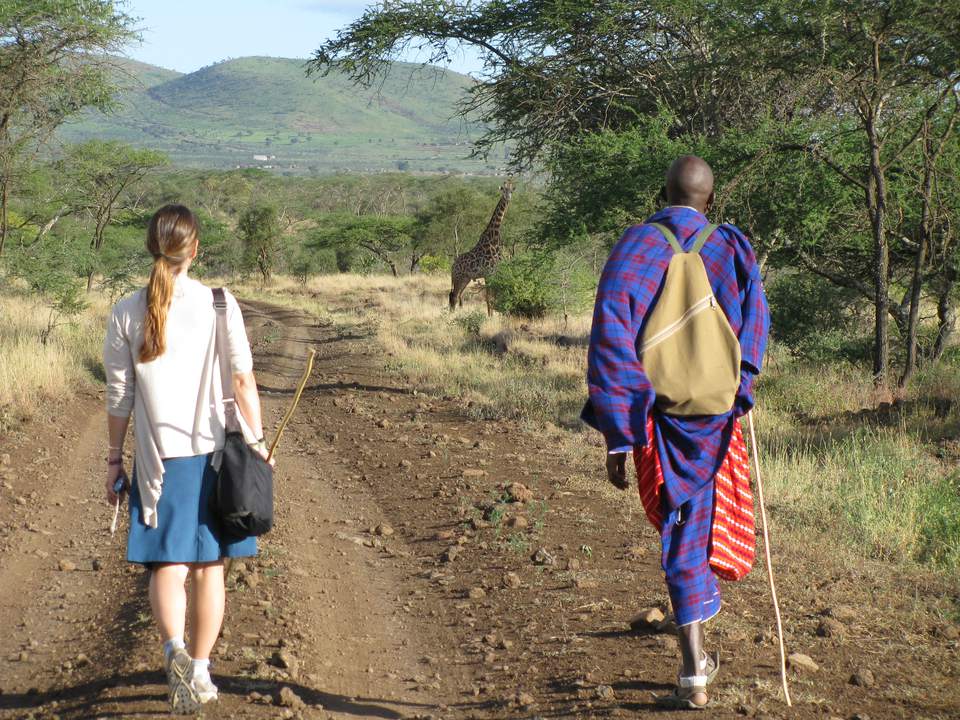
{"type": "Point", "coordinates": [425, 565]}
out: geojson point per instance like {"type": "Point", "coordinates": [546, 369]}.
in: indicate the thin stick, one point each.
{"type": "Point", "coordinates": [293, 406]}
{"type": "Point", "coordinates": [766, 548]}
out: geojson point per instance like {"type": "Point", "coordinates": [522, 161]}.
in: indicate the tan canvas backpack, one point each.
{"type": "Point", "coordinates": [688, 349]}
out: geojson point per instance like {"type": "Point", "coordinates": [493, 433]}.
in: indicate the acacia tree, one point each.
{"type": "Point", "coordinates": [98, 178]}
{"type": "Point", "coordinates": [259, 229]}
{"type": "Point", "coordinates": [555, 70]}
{"type": "Point", "coordinates": [382, 236]}
{"type": "Point", "coordinates": [888, 68]}
{"type": "Point", "coordinates": [53, 63]}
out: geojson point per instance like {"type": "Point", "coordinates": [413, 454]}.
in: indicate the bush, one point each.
{"type": "Point", "coordinates": [471, 322]}
{"type": "Point", "coordinates": [815, 318]}
{"type": "Point", "coordinates": [536, 283]}
{"type": "Point", "coordinates": [521, 286]}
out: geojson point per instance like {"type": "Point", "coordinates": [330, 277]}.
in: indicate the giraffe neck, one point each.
{"type": "Point", "coordinates": [491, 236]}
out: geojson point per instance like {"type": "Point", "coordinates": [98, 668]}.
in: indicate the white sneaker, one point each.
{"type": "Point", "coordinates": [183, 698]}
{"type": "Point", "coordinates": [205, 689]}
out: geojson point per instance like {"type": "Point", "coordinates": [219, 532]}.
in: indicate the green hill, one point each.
{"type": "Point", "coordinates": [264, 112]}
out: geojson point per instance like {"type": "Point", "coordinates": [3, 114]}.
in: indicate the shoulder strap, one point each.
{"type": "Point", "coordinates": [702, 237]}
{"type": "Point", "coordinates": [222, 350]}
{"type": "Point", "coordinates": [671, 238]}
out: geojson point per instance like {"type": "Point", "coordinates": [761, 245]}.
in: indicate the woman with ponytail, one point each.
{"type": "Point", "coordinates": [162, 368]}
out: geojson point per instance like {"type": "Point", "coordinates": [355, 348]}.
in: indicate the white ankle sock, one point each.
{"type": "Point", "coordinates": [174, 643]}
{"type": "Point", "coordinates": [201, 669]}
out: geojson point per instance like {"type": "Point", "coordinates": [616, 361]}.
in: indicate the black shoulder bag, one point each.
{"type": "Point", "coordinates": [243, 497]}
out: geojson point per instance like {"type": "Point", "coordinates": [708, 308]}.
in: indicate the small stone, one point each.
{"type": "Point", "coordinates": [97, 565]}
{"type": "Point", "coordinates": [647, 619]}
{"type": "Point", "coordinates": [404, 463]}
{"type": "Point", "coordinates": [473, 473]}
{"type": "Point", "coordinates": [843, 613]}
{"type": "Point", "coordinates": [802, 663]}
{"type": "Point", "coordinates": [511, 580]}
{"type": "Point", "coordinates": [859, 716]}
{"type": "Point", "coordinates": [524, 699]}
{"type": "Point", "coordinates": [384, 530]}
{"type": "Point", "coordinates": [21, 500]}
{"type": "Point", "coordinates": [518, 522]}
{"type": "Point", "coordinates": [286, 661]}
{"type": "Point", "coordinates": [445, 535]}
{"type": "Point", "coordinates": [67, 565]}
{"type": "Point", "coordinates": [542, 557]}
{"type": "Point", "coordinates": [605, 692]}
{"type": "Point", "coordinates": [586, 583]}
{"type": "Point", "coordinates": [573, 564]}
{"type": "Point", "coordinates": [450, 554]}
{"type": "Point", "coordinates": [476, 593]}
{"type": "Point", "coordinates": [519, 493]}
{"type": "Point", "coordinates": [5, 459]}
{"type": "Point", "coordinates": [23, 656]}
{"type": "Point", "coordinates": [863, 678]}
{"type": "Point", "coordinates": [829, 627]}
{"type": "Point", "coordinates": [384, 423]}
{"type": "Point", "coordinates": [288, 698]}
{"type": "Point", "coordinates": [81, 661]}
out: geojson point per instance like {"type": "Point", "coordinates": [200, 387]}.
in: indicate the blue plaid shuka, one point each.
{"type": "Point", "coordinates": [691, 449]}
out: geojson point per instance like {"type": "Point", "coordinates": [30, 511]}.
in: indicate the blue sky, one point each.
{"type": "Point", "coordinates": [187, 35]}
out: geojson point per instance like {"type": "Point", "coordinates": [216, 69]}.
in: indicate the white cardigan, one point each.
{"type": "Point", "coordinates": [176, 399]}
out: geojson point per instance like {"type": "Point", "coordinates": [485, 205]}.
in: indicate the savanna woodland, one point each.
{"type": "Point", "coordinates": [451, 496]}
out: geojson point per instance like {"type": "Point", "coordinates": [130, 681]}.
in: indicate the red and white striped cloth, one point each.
{"type": "Point", "coordinates": [732, 544]}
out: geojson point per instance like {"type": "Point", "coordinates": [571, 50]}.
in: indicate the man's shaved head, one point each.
{"type": "Point", "coordinates": [690, 182]}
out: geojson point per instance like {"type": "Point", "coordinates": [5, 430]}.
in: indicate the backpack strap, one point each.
{"type": "Point", "coordinates": [702, 237]}
{"type": "Point", "coordinates": [222, 351]}
{"type": "Point", "coordinates": [670, 237]}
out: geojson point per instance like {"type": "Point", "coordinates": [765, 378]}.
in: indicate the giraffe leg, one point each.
{"type": "Point", "coordinates": [456, 294]}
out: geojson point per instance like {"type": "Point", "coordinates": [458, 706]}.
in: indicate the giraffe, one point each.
{"type": "Point", "coordinates": [483, 258]}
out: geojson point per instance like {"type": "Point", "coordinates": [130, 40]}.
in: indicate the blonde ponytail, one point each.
{"type": "Point", "coordinates": [171, 238]}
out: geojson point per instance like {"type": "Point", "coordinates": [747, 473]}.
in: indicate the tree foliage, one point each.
{"type": "Point", "coordinates": [259, 230]}
{"type": "Point", "coordinates": [53, 63]}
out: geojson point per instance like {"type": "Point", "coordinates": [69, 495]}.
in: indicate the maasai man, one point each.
{"type": "Point", "coordinates": [690, 449]}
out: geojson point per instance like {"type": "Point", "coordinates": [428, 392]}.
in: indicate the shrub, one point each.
{"type": "Point", "coordinates": [521, 286]}
{"type": "Point", "coordinates": [815, 318]}
{"type": "Point", "coordinates": [471, 322]}
{"type": "Point", "coordinates": [534, 284]}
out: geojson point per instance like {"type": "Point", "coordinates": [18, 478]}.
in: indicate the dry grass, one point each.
{"type": "Point", "coordinates": [32, 373]}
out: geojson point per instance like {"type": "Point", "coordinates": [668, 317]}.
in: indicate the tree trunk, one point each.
{"type": "Point", "coordinates": [913, 321]}
{"type": "Point", "coordinates": [393, 267]}
{"type": "Point", "coordinates": [3, 213]}
{"type": "Point", "coordinates": [946, 315]}
{"type": "Point", "coordinates": [876, 205]}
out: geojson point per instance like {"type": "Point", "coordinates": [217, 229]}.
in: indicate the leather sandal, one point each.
{"type": "Point", "coordinates": [682, 697]}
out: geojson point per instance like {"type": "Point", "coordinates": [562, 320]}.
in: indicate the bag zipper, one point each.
{"type": "Point", "coordinates": [707, 302]}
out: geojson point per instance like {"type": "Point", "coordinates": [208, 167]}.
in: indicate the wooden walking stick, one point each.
{"type": "Point", "coordinates": [283, 425]}
{"type": "Point", "coordinates": [293, 405]}
{"type": "Point", "coordinates": [766, 548]}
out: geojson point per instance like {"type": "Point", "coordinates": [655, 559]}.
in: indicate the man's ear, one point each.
{"type": "Point", "coordinates": [710, 201]}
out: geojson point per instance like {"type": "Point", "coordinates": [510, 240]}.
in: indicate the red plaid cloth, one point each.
{"type": "Point", "coordinates": [732, 541]}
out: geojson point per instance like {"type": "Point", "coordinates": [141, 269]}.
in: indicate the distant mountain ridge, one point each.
{"type": "Point", "coordinates": [265, 112]}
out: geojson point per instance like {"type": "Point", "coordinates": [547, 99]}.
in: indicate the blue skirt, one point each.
{"type": "Point", "coordinates": [186, 532]}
